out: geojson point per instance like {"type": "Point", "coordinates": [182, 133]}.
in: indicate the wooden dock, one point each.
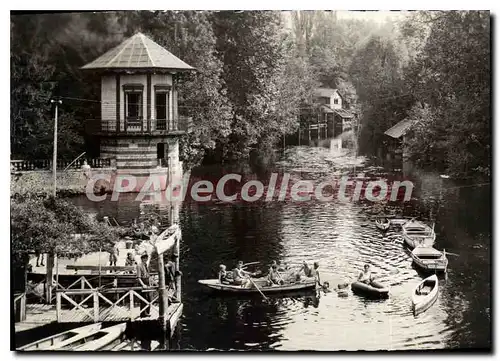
{"type": "Point", "coordinates": [39, 315]}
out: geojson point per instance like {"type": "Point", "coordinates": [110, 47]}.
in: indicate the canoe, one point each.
{"type": "Point", "coordinates": [416, 233]}
{"type": "Point", "coordinates": [375, 289]}
{"type": "Point", "coordinates": [51, 341]}
{"type": "Point", "coordinates": [88, 341]}
{"type": "Point", "coordinates": [214, 284]}
{"type": "Point", "coordinates": [382, 226]}
{"type": "Point", "coordinates": [102, 338]}
{"type": "Point", "coordinates": [425, 294]}
{"type": "Point", "coordinates": [429, 259]}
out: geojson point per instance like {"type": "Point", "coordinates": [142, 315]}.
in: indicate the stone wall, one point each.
{"type": "Point", "coordinates": [74, 182]}
{"type": "Point", "coordinates": [69, 182]}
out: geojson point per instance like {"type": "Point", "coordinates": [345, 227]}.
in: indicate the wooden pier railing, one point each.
{"type": "Point", "coordinates": [113, 304]}
{"type": "Point", "coordinates": [46, 164]}
{"type": "Point", "coordinates": [20, 306]}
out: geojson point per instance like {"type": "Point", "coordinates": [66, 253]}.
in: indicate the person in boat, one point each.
{"type": "Point", "coordinates": [241, 277]}
{"type": "Point", "coordinates": [154, 229]}
{"type": "Point", "coordinates": [315, 273]}
{"type": "Point", "coordinates": [366, 275]}
{"type": "Point", "coordinates": [274, 277]}
{"type": "Point", "coordinates": [143, 279]}
{"type": "Point", "coordinates": [306, 269]}
{"type": "Point", "coordinates": [224, 275]}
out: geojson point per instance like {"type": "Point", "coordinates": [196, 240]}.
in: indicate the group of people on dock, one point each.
{"type": "Point", "coordinates": [277, 274]}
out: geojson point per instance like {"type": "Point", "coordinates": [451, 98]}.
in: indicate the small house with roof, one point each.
{"type": "Point", "coordinates": [334, 116]}
{"type": "Point", "coordinates": [140, 125]}
{"type": "Point", "coordinates": [396, 137]}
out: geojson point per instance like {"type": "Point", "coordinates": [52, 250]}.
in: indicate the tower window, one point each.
{"type": "Point", "coordinates": [133, 101]}
{"type": "Point", "coordinates": [134, 106]}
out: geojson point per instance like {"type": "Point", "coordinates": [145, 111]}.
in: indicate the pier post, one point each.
{"type": "Point", "coordinates": [49, 278]}
{"type": "Point", "coordinates": [177, 265]}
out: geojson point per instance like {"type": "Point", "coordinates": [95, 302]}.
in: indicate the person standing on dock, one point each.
{"type": "Point", "coordinates": [113, 255]}
{"type": "Point", "coordinates": [39, 258]}
{"type": "Point", "coordinates": [86, 169]}
{"type": "Point", "coordinates": [129, 261]}
{"type": "Point", "coordinates": [143, 279]}
{"type": "Point", "coordinates": [171, 275]}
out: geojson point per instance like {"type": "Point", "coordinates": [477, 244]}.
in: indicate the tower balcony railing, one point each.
{"type": "Point", "coordinates": [176, 126]}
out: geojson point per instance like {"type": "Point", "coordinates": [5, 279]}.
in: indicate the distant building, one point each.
{"type": "Point", "coordinates": [139, 124]}
{"type": "Point", "coordinates": [396, 138]}
{"type": "Point", "coordinates": [334, 118]}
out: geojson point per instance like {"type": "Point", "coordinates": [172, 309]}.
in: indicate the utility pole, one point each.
{"type": "Point", "coordinates": [56, 101]}
{"type": "Point", "coordinates": [49, 278]}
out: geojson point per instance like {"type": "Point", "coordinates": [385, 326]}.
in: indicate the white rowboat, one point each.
{"type": "Point", "coordinates": [261, 283]}
{"type": "Point", "coordinates": [425, 294]}
{"type": "Point", "coordinates": [429, 259]}
{"type": "Point", "coordinates": [416, 233]}
{"type": "Point", "coordinates": [66, 337]}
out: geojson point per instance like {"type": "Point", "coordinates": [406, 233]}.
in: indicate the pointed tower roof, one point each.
{"type": "Point", "coordinates": [138, 52]}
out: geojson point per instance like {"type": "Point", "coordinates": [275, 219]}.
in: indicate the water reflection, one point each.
{"type": "Point", "coordinates": [342, 237]}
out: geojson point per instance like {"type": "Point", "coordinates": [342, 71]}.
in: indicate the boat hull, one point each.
{"type": "Point", "coordinates": [414, 241]}
{"type": "Point", "coordinates": [215, 285]}
{"type": "Point", "coordinates": [416, 233]}
{"type": "Point", "coordinates": [110, 335]}
{"type": "Point", "coordinates": [375, 290]}
{"type": "Point", "coordinates": [421, 303]}
{"type": "Point", "coordinates": [51, 341]}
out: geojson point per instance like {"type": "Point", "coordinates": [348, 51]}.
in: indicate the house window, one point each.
{"type": "Point", "coordinates": [336, 101]}
{"type": "Point", "coordinates": [133, 101]}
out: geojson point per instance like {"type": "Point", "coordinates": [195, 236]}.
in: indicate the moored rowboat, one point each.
{"type": "Point", "coordinates": [425, 294]}
{"type": "Point", "coordinates": [261, 283]}
{"type": "Point", "coordinates": [416, 233]}
{"type": "Point", "coordinates": [374, 289]}
{"type": "Point", "coordinates": [51, 341]}
{"type": "Point", "coordinates": [103, 338]}
{"type": "Point", "coordinates": [429, 259]}
{"type": "Point", "coordinates": [91, 340]}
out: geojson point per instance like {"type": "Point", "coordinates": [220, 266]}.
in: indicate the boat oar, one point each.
{"type": "Point", "coordinates": [258, 289]}
{"type": "Point", "coordinates": [449, 253]}
{"type": "Point", "coordinates": [249, 264]}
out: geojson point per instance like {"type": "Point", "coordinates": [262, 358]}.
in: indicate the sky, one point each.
{"type": "Point", "coordinates": [378, 16]}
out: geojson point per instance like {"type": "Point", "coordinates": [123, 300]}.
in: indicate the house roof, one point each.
{"type": "Point", "coordinates": [138, 52]}
{"type": "Point", "coordinates": [399, 129]}
{"type": "Point", "coordinates": [326, 108]}
{"type": "Point", "coordinates": [340, 112]}
{"type": "Point", "coordinates": [325, 92]}
{"type": "Point", "coordinates": [344, 113]}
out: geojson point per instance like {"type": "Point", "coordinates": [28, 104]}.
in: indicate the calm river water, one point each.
{"type": "Point", "coordinates": [341, 236]}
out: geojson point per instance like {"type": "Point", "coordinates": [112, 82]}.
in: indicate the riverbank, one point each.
{"type": "Point", "coordinates": [69, 183]}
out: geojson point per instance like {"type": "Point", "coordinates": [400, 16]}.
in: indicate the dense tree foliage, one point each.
{"type": "Point", "coordinates": [433, 68]}
{"type": "Point", "coordinates": [49, 225]}
{"type": "Point", "coordinates": [256, 71]}
{"type": "Point", "coordinates": [453, 72]}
